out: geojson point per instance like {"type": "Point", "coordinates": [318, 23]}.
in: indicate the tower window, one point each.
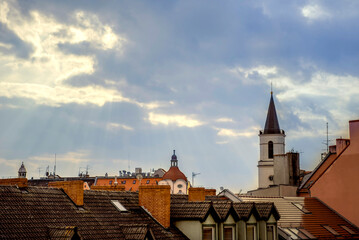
{"type": "Point", "coordinates": [270, 149]}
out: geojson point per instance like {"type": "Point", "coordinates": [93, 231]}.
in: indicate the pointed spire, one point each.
{"type": "Point", "coordinates": [174, 162]}
{"type": "Point", "coordinates": [272, 124]}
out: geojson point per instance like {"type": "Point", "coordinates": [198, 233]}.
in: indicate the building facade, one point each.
{"type": "Point", "coordinates": [175, 178]}
{"type": "Point", "coordinates": [271, 143]}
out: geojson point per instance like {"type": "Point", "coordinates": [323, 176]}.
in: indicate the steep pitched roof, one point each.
{"type": "Point", "coordinates": [192, 210]}
{"type": "Point", "coordinates": [272, 125]}
{"type": "Point", "coordinates": [299, 214]}
{"type": "Point", "coordinates": [36, 213]}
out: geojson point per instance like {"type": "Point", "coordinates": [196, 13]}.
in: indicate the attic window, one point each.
{"type": "Point", "coordinates": [331, 230]}
{"type": "Point", "coordinates": [348, 229]}
{"type": "Point", "coordinates": [119, 206]}
{"type": "Point", "coordinates": [301, 208]}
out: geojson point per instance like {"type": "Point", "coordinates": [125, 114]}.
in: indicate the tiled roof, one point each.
{"type": "Point", "coordinates": [176, 198]}
{"type": "Point", "coordinates": [244, 209]}
{"type": "Point", "coordinates": [222, 208]}
{"type": "Point", "coordinates": [134, 231]}
{"type": "Point", "coordinates": [265, 209]}
{"type": "Point", "coordinates": [190, 210]}
{"type": "Point", "coordinates": [309, 214]}
{"type": "Point", "coordinates": [131, 184]}
{"type": "Point", "coordinates": [174, 173]}
{"type": "Point", "coordinates": [36, 213]}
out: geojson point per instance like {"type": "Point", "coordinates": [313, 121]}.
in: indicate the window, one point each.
{"type": "Point", "coordinates": [271, 232]}
{"type": "Point", "coordinates": [208, 233]}
{"type": "Point", "coordinates": [270, 149]}
{"type": "Point", "coordinates": [301, 208]}
{"type": "Point", "coordinates": [148, 181]}
{"type": "Point", "coordinates": [134, 181]}
{"type": "Point", "coordinates": [110, 182]}
{"type": "Point", "coordinates": [228, 233]}
{"type": "Point", "coordinates": [331, 230]}
{"type": "Point", "coordinates": [179, 186]}
{"type": "Point", "coordinates": [347, 229]}
{"type": "Point", "coordinates": [119, 206]}
{"type": "Point", "coordinates": [298, 233]}
{"type": "Point", "coordinates": [251, 232]}
{"type": "Point", "coordinates": [123, 182]}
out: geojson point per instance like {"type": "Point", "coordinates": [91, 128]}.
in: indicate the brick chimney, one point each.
{"type": "Point", "coordinates": [73, 189]}
{"type": "Point", "coordinates": [20, 182]}
{"type": "Point", "coordinates": [210, 192]}
{"type": "Point", "coordinates": [197, 194]}
{"type": "Point", "coordinates": [157, 200]}
{"type": "Point", "coordinates": [333, 149]}
{"type": "Point", "coordinates": [341, 144]}
{"type": "Point", "coordinates": [109, 188]}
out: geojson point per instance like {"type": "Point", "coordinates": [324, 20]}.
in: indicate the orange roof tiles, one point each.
{"type": "Point", "coordinates": [313, 215]}
{"type": "Point", "coordinates": [174, 173]}
{"type": "Point", "coordinates": [131, 184]}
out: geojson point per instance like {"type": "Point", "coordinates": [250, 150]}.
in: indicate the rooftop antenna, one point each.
{"type": "Point", "coordinates": [327, 139]}
{"type": "Point", "coordinates": [326, 143]}
{"type": "Point", "coordinates": [39, 168]}
{"type": "Point", "coordinates": [193, 175]}
{"type": "Point", "coordinates": [55, 166]}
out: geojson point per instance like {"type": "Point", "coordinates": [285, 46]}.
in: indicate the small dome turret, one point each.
{"type": "Point", "coordinates": [22, 171]}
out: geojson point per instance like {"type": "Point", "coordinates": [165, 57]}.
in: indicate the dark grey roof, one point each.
{"type": "Point", "coordinates": [272, 125]}
{"type": "Point", "coordinates": [42, 213]}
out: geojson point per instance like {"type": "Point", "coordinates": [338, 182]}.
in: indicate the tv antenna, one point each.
{"type": "Point", "coordinates": [193, 176]}
{"type": "Point", "coordinates": [326, 143]}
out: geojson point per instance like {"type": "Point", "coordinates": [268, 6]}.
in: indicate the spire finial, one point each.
{"type": "Point", "coordinates": [271, 89]}
{"type": "Point", "coordinates": [174, 152]}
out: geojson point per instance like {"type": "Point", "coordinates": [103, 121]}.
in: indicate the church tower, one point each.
{"type": "Point", "coordinates": [271, 143]}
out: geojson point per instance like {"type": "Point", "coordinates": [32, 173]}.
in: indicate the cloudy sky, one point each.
{"type": "Point", "coordinates": [120, 84]}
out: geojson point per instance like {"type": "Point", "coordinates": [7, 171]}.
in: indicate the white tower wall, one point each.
{"type": "Point", "coordinates": [266, 164]}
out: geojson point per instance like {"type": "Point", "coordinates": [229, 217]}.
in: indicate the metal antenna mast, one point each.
{"type": "Point", "coordinates": [193, 175]}
{"type": "Point", "coordinates": [327, 139]}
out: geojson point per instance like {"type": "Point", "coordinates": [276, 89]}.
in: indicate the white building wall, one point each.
{"type": "Point", "coordinates": [265, 164]}
{"type": "Point", "coordinates": [278, 145]}
{"type": "Point", "coordinates": [175, 186]}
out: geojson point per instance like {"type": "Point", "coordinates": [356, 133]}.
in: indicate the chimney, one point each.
{"type": "Point", "coordinates": [333, 149]}
{"type": "Point", "coordinates": [73, 189]}
{"type": "Point", "coordinates": [109, 188]}
{"type": "Point", "coordinates": [197, 194]}
{"type": "Point", "coordinates": [157, 200]}
{"type": "Point", "coordinates": [341, 144]}
{"type": "Point", "coordinates": [19, 182]}
{"type": "Point", "coordinates": [210, 192]}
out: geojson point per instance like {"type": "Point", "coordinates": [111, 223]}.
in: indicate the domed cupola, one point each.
{"type": "Point", "coordinates": [174, 173]}
{"type": "Point", "coordinates": [22, 171]}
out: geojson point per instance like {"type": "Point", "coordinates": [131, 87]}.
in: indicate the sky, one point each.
{"type": "Point", "coordinates": [115, 85]}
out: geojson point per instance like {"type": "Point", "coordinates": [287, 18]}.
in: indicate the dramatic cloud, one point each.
{"type": "Point", "coordinates": [176, 120]}
{"type": "Point", "coordinates": [119, 85]}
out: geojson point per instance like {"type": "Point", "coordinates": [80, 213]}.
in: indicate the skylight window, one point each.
{"type": "Point", "coordinates": [331, 230]}
{"type": "Point", "coordinates": [298, 233]}
{"type": "Point", "coordinates": [308, 234]}
{"type": "Point", "coordinates": [119, 206]}
{"type": "Point", "coordinates": [348, 229]}
{"type": "Point", "coordinates": [301, 208]}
